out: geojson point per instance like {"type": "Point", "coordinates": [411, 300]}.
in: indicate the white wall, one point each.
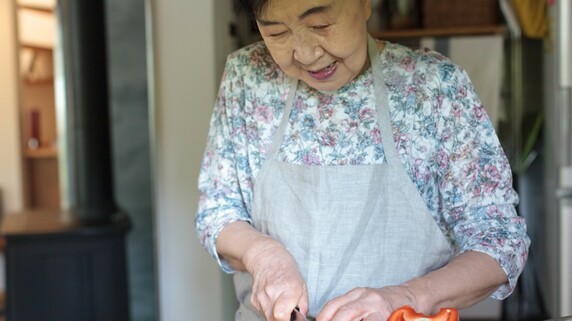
{"type": "Point", "coordinates": [224, 43]}
{"type": "Point", "coordinates": [10, 161]}
{"type": "Point", "coordinates": [184, 57]}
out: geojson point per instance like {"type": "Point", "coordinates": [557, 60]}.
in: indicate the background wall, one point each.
{"type": "Point", "coordinates": [129, 111]}
{"type": "Point", "coordinates": [10, 164]}
{"type": "Point", "coordinates": [191, 286]}
{"type": "Point", "coordinates": [225, 43]}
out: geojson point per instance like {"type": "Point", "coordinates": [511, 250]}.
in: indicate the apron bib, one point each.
{"type": "Point", "coordinates": [346, 226]}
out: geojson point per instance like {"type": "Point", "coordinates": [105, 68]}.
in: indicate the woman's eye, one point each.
{"type": "Point", "coordinates": [278, 34]}
{"type": "Point", "coordinates": [321, 27]}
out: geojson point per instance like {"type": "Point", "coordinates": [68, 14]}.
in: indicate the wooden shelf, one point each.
{"type": "Point", "coordinates": [36, 47]}
{"type": "Point", "coordinates": [439, 32]}
{"type": "Point", "coordinates": [36, 8]}
{"type": "Point", "coordinates": [37, 32]}
{"type": "Point", "coordinates": [43, 152]}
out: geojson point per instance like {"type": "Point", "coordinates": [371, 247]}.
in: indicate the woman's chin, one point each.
{"type": "Point", "coordinates": [324, 85]}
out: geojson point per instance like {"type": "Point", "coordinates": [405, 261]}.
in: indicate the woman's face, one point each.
{"type": "Point", "coordinates": [321, 42]}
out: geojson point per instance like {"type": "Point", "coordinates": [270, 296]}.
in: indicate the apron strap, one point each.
{"type": "Point", "coordinates": [277, 138]}
{"type": "Point", "coordinates": [382, 104]}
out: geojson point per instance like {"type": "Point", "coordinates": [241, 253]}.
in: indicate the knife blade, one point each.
{"type": "Point", "coordinates": [297, 316]}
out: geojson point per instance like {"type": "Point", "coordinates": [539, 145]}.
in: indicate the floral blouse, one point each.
{"type": "Point", "coordinates": [442, 134]}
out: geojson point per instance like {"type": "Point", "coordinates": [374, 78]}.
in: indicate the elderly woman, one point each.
{"type": "Point", "coordinates": [348, 176]}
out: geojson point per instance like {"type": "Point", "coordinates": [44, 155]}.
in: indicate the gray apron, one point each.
{"type": "Point", "coordinates": [346, 226]}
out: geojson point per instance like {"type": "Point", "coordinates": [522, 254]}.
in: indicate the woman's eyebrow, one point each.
{"type": "Point", "coordinates": [311, 11]}
{"type": "Point", "coordinates": [318, 9]}
{"type": "Point", "coordinates": [267, 22]}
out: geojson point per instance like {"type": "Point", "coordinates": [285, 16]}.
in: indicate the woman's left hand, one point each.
{"type": "Point", "coordinates": [367, 304]}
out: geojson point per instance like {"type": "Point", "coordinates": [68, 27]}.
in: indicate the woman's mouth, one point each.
{"type": "Point", "coordinates": [324, 73]}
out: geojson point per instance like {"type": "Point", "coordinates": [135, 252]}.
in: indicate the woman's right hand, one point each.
{"type": "Point", "coordinates": [277, 285]}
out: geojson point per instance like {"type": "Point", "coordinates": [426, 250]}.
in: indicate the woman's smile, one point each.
{"type": "Point", "coordinates": [324, 73]}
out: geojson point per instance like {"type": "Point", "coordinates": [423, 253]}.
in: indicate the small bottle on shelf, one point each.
{"type": "Point", "coordinates": [34, 138]}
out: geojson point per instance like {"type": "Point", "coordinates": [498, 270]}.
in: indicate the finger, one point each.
{"type": "Point", "coordinates": [303, 302]}
{"type": "Point", "coordinates": [349, 311]}
{"type": "Point", "coordinates": [261, 303]}
{"type": "Point", "coordinates": [269, 312]}
{"type": "Point", "coordinates": [333, 306]}
{"type": "Point", "coordinates": [284, 305]}
{"type": "Point", "coordinates": [283, 309]}
{"type": "Point", "coordinates": [376, 316]}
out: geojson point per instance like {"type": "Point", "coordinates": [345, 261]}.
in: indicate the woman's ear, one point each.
{"type": "Point", "coordinates": [367, 9]}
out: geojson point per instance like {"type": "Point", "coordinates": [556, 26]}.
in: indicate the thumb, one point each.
{"type": "Point", "coordinates": [283, 309]}
{"type": "Point", "coordinates": [303, 302]}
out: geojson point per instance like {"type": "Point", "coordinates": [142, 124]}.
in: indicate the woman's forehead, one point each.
{"type": "Point", "coordinates": [298, 8]}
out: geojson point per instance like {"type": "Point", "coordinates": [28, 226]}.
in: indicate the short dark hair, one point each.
{"type": "Point", "coordinates": [253, 8]}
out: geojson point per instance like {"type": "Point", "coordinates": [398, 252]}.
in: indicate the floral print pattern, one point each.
{"type": "Point", "coordinates": [442, 134]}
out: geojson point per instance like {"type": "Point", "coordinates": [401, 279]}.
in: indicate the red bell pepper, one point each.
{"type": "Point", "coordinates": [406, 313]}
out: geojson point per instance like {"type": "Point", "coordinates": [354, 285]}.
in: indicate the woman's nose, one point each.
{"type": "Point", "coordinates": [306, 49]}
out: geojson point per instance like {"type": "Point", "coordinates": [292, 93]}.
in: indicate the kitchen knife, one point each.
{"type": "Point", "coordinates": [297, 316]}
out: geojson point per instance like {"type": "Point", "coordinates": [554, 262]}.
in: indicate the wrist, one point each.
{"type": "Point", "coordinates": [257, 250]}
{"type": "Point", "coordinates": [420, 294]}
{"type": "Point", "coordinates": [238, 243]}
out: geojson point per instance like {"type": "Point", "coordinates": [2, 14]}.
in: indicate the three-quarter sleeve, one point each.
{"type": "Point", "coordinates": [221, 192]}
{"type": "Point", "coordinates": [476, 195]}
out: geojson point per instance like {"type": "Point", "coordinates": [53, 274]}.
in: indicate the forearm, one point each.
{"type": "Point", "coordinates": [466, 280]}
{"type": "Point", "coordinates": [236, 242]}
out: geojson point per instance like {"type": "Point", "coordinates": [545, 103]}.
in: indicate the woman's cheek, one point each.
{"type": "Point", "coordinates": [283, 56]}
